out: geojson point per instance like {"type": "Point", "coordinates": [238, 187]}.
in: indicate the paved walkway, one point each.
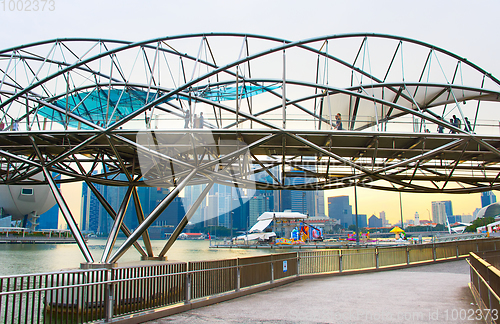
{"type": "Point", "coordinates": [435, 293]}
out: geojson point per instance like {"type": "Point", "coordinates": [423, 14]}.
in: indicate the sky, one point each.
{"type": "Point", "coordinates": [464, 27]}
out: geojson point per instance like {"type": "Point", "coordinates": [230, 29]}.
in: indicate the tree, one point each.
{"type": "Point", "coordinates": [479, 222]}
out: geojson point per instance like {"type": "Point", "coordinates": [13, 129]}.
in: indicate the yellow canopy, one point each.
{"type": "Point", "coordinates": [396, 230]}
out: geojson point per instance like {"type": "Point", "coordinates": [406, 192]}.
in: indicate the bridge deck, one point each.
{"type": "Point", "coordinates": [435, 293]}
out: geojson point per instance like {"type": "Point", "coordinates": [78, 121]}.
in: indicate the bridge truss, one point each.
{"type": "Point", "coordinates": [108, 112]}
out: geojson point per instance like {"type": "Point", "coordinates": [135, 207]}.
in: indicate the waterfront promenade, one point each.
{"type": "Point", "coordinates": [436, 293]}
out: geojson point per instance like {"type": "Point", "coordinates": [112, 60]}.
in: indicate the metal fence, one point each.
{"type": "Point", "coordinates": [485, 285]}
{"type": "Point", "coordinates": [99, 295]}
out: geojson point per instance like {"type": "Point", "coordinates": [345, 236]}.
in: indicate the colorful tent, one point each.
{"type": "Point", "coordinates": [396, 230]}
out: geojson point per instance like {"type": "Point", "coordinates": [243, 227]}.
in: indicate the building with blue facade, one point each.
{"type": "Point", "coordinates": [487, 198]}
{"type": "Point", "coordinates": [339, 208]}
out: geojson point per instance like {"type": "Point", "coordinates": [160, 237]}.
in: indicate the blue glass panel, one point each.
{"type": "Point", "coordinates": [98, 105]}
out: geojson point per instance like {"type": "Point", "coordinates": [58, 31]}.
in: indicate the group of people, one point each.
{"type": "Point", "coordinates": [198, 121]}
{"type": "Point", "coordinates": [14, 126]}
{"type": "Point", "coordinates": [456, 122]}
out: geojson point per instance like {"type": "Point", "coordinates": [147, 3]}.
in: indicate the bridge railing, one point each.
{"type": "Point", "coordinates": [295, 121]}
{"type": "Point", "coordinates": [83, 296]}
{"type": "Point", "coordinates": [485, 284]}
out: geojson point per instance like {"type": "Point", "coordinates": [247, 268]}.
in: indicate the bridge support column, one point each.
{"type": "Point", "coordinates": [185, 219]}
{"type": "Point", "coordinates": [68, 216]}
{"type": "Point", "coordinates": [152, 217]}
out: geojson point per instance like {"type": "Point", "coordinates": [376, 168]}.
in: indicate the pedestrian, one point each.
{"type": "Point", "coordinates": [15, 125]}
{"type": "Point", "coordinates": [195, 121]}
{"type": "Point", "coordinates": [452, 122]}
{"type": "Point", "coordinates": [201, 120]}
{"type": "Point", "coordinates": [440, 127]}
{"type": "Point", "coordinates": [468, 127]}
{"type": "Point", "coordinates": [456, 122]}
{"type": "Point", "coordinates": [187, 119]}
{"type": "Point", "coordinates": [338, 121]}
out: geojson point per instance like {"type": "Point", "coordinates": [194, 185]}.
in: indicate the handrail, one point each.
{"type": "Point", "coordinates": [132, 289]}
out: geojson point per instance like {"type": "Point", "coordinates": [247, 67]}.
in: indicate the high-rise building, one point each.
{"type": "Point", "coordinates": [257, 206]}
{"type": "Point", "coordinates": [382, 217]}
{"type": "Point", "coordinates": [362, 221]}
{"type": "Point", "coordinates": [191, 193]}
{"type": "Point", "coordinates": [96, 219]}
{"type": "Point", "coordinates": [488, 198]}
{"type": "Point", "coordinates": [374, 222]}
{"type": "Point", "coordinates": [339, 208]}
{"type": "Point", "coordinates": [241, 211]}
{"type": "Point", "coordinates": [417, 219]}
{"type": "Point", "coordinates": [309, 202]}
{"type": "Point", "coordinates": [441, 210]}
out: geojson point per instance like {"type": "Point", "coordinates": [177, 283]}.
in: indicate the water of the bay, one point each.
{"type": "Point", "coordinates": [39, 258]}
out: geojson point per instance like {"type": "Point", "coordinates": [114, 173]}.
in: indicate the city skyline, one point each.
{"type": "Point", "coordinates": [370, 202]}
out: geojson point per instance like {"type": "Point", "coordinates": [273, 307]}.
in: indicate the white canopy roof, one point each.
{"type": "Point", "coordinates": [281, 215]}
{"type": "Point", "coordinates": [256, 236]}
{"type": "Point", "coordinates": [260, 226]}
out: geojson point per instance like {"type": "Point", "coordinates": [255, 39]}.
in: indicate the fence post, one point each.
{"type": "Point", "coordinates": [188, 287]}
{"type": "Point", "coordinates": [434, 252]}
{"type": "Point", "coordinates": [272, 271]}
{"type": "Point", "coordinates": [238, 275]}
{"type": "Point", "coordinates": [340, 260]}
{"type": "Point", "coordinates": [377, 264]}
{"type": "Point", "coordinates": [108, 297]}
{"type": "Point", "coordinates": [298, 265]}
{"type": "Point", "coordinates": [407, 255]}
{"type": "Point", "coordinates": [457, 250]}
{"type": "Point", "coordinates": [489, 290]}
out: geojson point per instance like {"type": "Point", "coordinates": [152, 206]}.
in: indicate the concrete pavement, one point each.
{"type": "Point", "coordinates": [436, 293]}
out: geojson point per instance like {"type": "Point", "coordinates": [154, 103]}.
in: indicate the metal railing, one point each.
{"type": "Point", "coordinates": [101, 295]}
{"type": "Point", "coordinates": [485, 285]}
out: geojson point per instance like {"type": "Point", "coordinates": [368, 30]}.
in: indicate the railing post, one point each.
{"type": "Point", "coordinates": [489, 290]}
{"type": "Point", "coordinates": [188, 288]}
{"type": "Point", "coordinates": [272, 271]}
{"type": "Point", "coordinates": [407, 255]}
{"type": "Point", "coordinates": [298, 265]}
{"type": "Point", "coordinates": [108, 297]}
{"type": "Point", "coordinates": [433, 252]}
{"type": "Point", "coordinates": [340, 260]}
{"type": "Point", "coordinates": [457, 251]}
{"type": "Point", "coordinates": [238, 278]}
{"type": "Point", "coordinates": [377, 264]}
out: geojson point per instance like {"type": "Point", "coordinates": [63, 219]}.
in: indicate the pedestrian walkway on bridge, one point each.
{"type": "Point", "coordinates": [436, 293]}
